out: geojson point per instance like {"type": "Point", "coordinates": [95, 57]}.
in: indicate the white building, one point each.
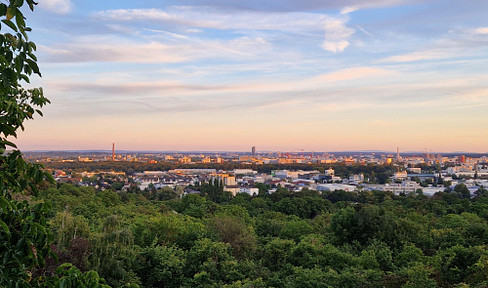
{"type": "Point", "coordinates": [430, 191]}
{"type": "Point", "coordinates": [415, 170]}
{"type": "Point", "coordinates": [244, 172]}
{"type": "Point", "coordinates": [249, 190]}
{"type": "Point", "coordinates": [329, 172]}
{"type": "Point", "coordinates": [401, 175]}
{"type": "Point", "coordinates": [397, 188]}
{"type": "Point", "coordinates": [334, 187]}
{"type": "Point", "coordinates": [232, 190]}
{"type": "Point", "coordinates": [355, 179]}
{"type": "Point", "coordinates": [281, 174]}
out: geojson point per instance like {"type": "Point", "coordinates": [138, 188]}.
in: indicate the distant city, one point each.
{"type": "Point", "coordinates": [253, 156]}
{"type": "Point", "coordinates": [247, 172]}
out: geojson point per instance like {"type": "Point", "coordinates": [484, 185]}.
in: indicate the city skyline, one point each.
{"type": "Point", "coordinates": [278, 75]}
{"type": "Point", "coordinates": [115, 151]}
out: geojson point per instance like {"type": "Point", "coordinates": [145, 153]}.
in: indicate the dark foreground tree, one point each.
{"type": "Point", "coordinates": [24, 237]}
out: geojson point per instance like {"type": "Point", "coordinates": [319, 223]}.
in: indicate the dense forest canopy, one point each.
{"type": "Point", "coordinates": [284, 239]}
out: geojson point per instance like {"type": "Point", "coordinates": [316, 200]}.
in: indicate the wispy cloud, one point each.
{"type": "Point", "coordinates": [206, 17]}
{"type": "Point", "coordinates": [293, 5]}
{"type": "Point", "coordinates": [349, 9]}
{"type": "Point", "coordinates": [134, 88]}
{"type": "Point", "coordinates": [336, 31]}
{"type": "Point", "coordinates": [327, 91]}
{"type": "Point", "coordinates": [56, 6]}
{"type": "Point", "coordinates": [350, 6]}
{"type": "Point", "coordinates": [364, 31]}
{"type": "Point", "coordinates": [457, 43]}
{"type": "Point", "coordinates": [481, 30]}
{"type": "Point", "coordinates": [108, 51]}
{"type": "Point", "coordinates": [432, 54]}
{"type": "Point", "coordinates": [116, 49]}
{"type": "Point", "coordinates": [355, 73]}
{"type": "Point", "coordinates": [336, 35]}
{"type": "Point", "coordinates": [111, 87]}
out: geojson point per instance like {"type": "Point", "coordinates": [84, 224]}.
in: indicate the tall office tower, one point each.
{"type": "Point", "coordinates": [398, 154]}
{"type": "Point", "coordinates": [113, 151]}
{"type": "Point", "coordinates": [461, 159]}
{"type": "Point", "coordinates": [253, 151]}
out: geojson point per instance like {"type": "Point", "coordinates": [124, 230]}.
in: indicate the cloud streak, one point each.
{"type": "Point", "coordinates": [335, 29]}
{"type": "Point", "coordinates": [336, 35]}
{"type": "Point", "coordinates": [211, 18]}
{"type": "Point", "coordinates": [293, 5]}
{"type": "Point", "coordinates": [117, 49]}
{"type": "Point", "coordinates": [432, 54]}
{"type": "Point", "coordinates": [481, 31]}
{"type": "Point", "coordinates": [56, 6]}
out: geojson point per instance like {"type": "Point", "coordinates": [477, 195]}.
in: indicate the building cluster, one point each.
{"type": "Point", "coordinates": [466, 164]}
{"type": "Point", "coordinates": [238, 181]}
{"type": "Point", "coordinates": [409, 177]}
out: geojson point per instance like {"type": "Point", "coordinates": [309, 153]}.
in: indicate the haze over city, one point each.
{"type": "Point", "coordinates": [278, 75]}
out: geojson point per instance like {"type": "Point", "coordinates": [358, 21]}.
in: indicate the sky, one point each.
{"type": "Point", "coordinates": [283, 75]}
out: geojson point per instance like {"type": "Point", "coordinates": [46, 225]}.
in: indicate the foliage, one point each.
{"type": "Point", "coordinates": [69, 276]}
{"type": "Point", "coordinates": [161, 266]}
{"type": "Point", "coordinates": [24, 236]}
{"type": "Point", "coordinates": [378, 240]}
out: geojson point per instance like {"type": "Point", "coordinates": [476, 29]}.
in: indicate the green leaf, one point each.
{"type": "Point", "coordinates": [19, 3]}
{"type": "Point", "coordinates": [10, 24]}
{"type": "Point", "coordinates": [8, 143]}
{"type": "Point", "coordinates": [5, 204]}
{"type": "Point", "coordinates": [63, 267]}
{"type": "Point", "coordinates": [33, 66]}
{"type": "Point", "coordinates": [11, 11]}
{"type": "Point", "coordinates": [19, 19]}
{"type": "Point", "coordinates": [63, 283]}
{"type": "Point", "coordinates": [3, 9]}
{"type": "Point", "coordinates": [4, 227]}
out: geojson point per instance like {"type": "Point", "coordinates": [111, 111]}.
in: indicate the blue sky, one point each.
{"type": "Point", "coordinates": [280, 75]}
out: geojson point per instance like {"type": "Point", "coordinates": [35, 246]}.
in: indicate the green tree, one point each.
{"type": "Point", "coordinates": [343, 224]}
{"type": "Point", "coordinates": [24, 237]}
{"type": "Point", "coordinates": [167, 229]}
{"type": "Point", "coordinates": [210, 263]}
{"type": "Point", "coordinates": [161, 266]}
{"type": "Point", "coordinates": [234, 231]}
{"type": "Point", "coordinates": [419, 278]}
{"type": "Point", "coordinates": [462, 190]}
{"type": "Point", "coordinates": [295, 228]}
{"type": "Point", "coordinates": [112, 255]}
{"type": "Point", "coordinates": [277, 253]}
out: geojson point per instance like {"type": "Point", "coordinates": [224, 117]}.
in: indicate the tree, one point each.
{"type": "Point", "coordinates": [210, 262]}
{"type": "Point", "coordinates": [277, 253]}
{"type": "Point", "coordinates": [161, 266]}
{"type": "Point", "coordinates": [24, 240]}
{"type": "Point", "coordinates": [343, 224]}
{"type": "Point", "coordinates": [24, 237]}
{"type": "Point", "coordinates": [462, 190]}
{"type": "Point", "coordinates": [233, 230]}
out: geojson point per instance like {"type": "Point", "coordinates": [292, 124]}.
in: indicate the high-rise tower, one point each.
{"type": "Point", "coordinates": [253, 151]}
{"type": "Point", "coordinates": [113, 151]}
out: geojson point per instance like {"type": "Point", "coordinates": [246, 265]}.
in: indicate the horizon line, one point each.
{"type": "Point", "coordinates": [245, 151]}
